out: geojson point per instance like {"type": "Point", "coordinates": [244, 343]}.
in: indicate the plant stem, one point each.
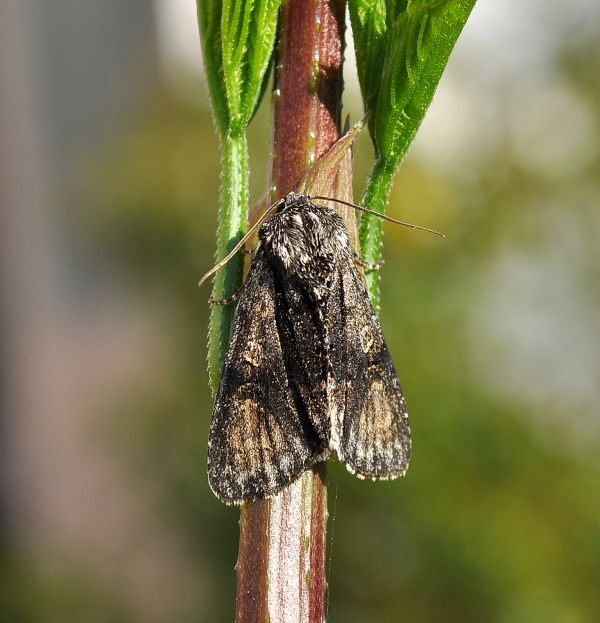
{"type": "Point", "coordinates": [371, 232]}
{"type": "Point", "coordinates": [233, 215]}
{"type": "Point", "coordinates": [281, 561]}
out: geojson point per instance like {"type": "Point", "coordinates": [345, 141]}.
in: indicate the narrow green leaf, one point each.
{"type": "Point", "coordinates": [248, 32]}
{"type": "Point", "coordinates": [368, 18]}
{"type": "Point", "coordinates": [235, 22]}
{"type": "Point", "coordinates": [418, 45]}
{"type": "Point", "coordinates": [398, 77]}
{"type": "Point", "coordinates": [260, 53]}
{"type": "Point", "coordinates": [209, 22]}
{"type": "Point", "coordinates": [237, 39]}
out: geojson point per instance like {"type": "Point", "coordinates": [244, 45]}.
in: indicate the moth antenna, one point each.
{"type": "Point", "coordinates": [240, 244]}
{"type": "Point", "coordinates": [381, 216]}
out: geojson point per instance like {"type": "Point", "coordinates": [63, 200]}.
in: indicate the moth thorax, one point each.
{"type": "Point", "coordinates": [305, 242]}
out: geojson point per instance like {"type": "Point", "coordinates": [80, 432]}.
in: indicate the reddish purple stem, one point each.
{"type": "Point", "coordinates": [281, 562]}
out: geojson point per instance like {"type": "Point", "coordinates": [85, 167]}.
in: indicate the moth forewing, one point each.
{"type": "Point", "coordinates": [259, 441]}
{"type": "Point", "coordinates": [372, 435]}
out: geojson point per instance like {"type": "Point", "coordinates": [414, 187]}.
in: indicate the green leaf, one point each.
{"type": "Point", "coordinates": [394, 8]}
{"type": "Point", "coordinates": [237, 42]}
{"type": "Point", "coordinates": [368, 19]}
{"type": "Point", "coordinates": [402, 48]}
{"type": "Point", "coordinates": [418, 44]}
{"type": "Point", "coordinates": [209, 23]}
{"type": "Point", "coordinates": [260, 53]}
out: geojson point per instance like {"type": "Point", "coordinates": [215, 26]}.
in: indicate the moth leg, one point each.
{"type": "Point", "coordinates": [230, 299]}
{"type": "Point", "coordinates": [369, 265]}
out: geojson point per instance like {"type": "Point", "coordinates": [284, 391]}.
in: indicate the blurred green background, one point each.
{"type": "Point", "coordinates": [109, 176]}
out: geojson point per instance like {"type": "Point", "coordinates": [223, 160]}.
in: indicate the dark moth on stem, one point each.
{"type": "Point", "coordinates": [307, 372]}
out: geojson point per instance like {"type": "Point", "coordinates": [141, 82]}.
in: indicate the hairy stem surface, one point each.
{"type": "Point", "coordinates": [281, 562]}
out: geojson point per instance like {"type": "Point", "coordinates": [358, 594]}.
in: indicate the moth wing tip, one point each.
{"type": "Point", "coordinates": [391, 475]}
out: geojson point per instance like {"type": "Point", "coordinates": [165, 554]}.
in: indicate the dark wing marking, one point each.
{"type": "Point", "coordinates": [259, 441]}
{"type": "Point", "coordinates": [302, 332]}
{"type": "Point", "coordinates": [370, 430]}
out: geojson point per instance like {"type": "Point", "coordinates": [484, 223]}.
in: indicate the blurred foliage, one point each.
{"type": "Point", "coordinates": [498, 518]}
{"type": "Point", "coordinates": [29, 595]}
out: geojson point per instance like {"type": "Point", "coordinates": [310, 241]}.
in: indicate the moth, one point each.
{"type": "Point", "coordinates": [307, 372]}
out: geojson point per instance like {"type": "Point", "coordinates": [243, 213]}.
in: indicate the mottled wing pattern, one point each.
{"type": "Point", "coordinates": [259, 441]}
{"type": "Point", "coordinates": [302, 333]}
{"type": "Point", "coordinates": [370, 433]}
